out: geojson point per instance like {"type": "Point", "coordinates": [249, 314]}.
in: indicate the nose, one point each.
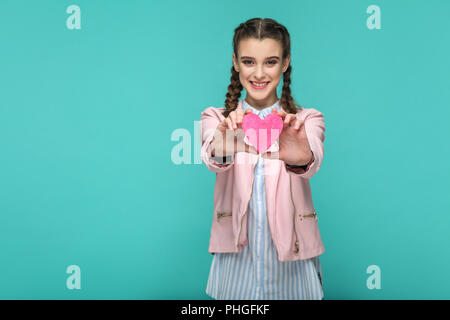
{"type": "Point", "coordinates": [259, 73]}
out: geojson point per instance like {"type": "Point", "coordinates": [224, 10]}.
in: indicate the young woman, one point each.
{"type": "Point", "coordinates": [264, 237]}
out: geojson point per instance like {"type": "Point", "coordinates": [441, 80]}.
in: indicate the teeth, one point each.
{"type": "Point", "coordinates": [259, 85]}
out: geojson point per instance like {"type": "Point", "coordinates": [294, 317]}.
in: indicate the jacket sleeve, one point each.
{"type": "Point", "coordinates": [315, 132]}
{"type": "Point", "coordinates": [208, 124]}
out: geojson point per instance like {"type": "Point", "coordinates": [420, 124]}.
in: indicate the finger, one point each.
{"type": "Point", "coordinates": [293, 120]}
{"type": "Point", "coordinates": [239, 134]}
{"type": "Point", "coordinates": [232, 117]}
{"type": "Point", "coordinates": [282, 114]}
{"type": "Point", "coordinates": [287, 121]}
{"type": "Point", "coordinates": [288, 118]}
{"type": "Point", "coordinates": [296, 123]}
{"type": "Point", "coordinates": [239, 118]}
{"type": "Point", "coordinates": [248, 111]}
{"type": "Point", "coordinates": [239, 115]}
{"type": "Point", "coordinates": [228, 123]}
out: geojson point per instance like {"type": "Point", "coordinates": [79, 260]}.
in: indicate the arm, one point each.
{"type": "Point", "coordinates": [209, 121]}
{"type": "Point", "coordinates": [315, 131]}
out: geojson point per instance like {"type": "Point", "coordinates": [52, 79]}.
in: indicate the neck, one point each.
{"type": "Point", "coordinates": [261, 104]}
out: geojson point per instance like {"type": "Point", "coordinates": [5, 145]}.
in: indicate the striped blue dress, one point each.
{"type": "Point", "coordinates": [255, 273]}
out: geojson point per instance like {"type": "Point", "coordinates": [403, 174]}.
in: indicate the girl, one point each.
{"type": "Point", "coordinates": [264, 237]}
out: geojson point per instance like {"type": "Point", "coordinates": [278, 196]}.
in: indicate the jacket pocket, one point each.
{"type": "Point", "coordinates": [300, 230]}
{"type": "Point", "coordinates": [223, 214]}
{"type": "Point", "coordinates": [312, 216]}
{"type": "Point", "coordinates": [222, 234]}
{"type": "Point", "coordinates": [308, 235]}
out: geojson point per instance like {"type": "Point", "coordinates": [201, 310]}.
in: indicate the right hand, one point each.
{"type": "Point", "coordinates": [232, 135]}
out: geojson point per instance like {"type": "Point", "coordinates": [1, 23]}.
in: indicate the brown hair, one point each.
{"type": "Point", "coordinates": [261, 29]}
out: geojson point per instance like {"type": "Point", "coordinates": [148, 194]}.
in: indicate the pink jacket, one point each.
{"type": "Point", "coordinates": [291, 214]}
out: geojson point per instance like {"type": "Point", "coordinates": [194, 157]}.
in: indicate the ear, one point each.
{"type": "Point", "coordinates": [235, 63]}
{"type": "Point", "coordinates": [286, 62]}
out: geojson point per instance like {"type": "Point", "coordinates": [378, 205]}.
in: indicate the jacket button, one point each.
{"type": "Point", "coordinates": [296, 247]}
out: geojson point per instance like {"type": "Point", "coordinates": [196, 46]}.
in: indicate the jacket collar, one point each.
{"type": "Point", "coordinates": [261, 113]}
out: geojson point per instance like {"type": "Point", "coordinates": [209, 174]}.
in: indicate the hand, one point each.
{"type": "Point", "coordinates": [229, 136]}
{"type": "Point", "coordinates": [294, 146]}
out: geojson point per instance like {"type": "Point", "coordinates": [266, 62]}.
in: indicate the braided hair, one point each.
{"type": "Point", "coordinates": [260, 29]}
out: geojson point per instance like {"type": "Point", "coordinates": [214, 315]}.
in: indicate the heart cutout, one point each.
{"type": "Point", "coordinates": [262, 133]}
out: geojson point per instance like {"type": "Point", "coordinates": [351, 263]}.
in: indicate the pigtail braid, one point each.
{"type": "Point", "coordinates": [233, 94]}
{"type": "Point", "coordinates": [287, 101]}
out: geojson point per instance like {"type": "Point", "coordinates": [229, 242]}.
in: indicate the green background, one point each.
{"type": "Point", "coordinates": [86, 118]}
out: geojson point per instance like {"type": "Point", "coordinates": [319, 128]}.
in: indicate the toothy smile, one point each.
{"type": "Point", "coordinates": [259, 84]}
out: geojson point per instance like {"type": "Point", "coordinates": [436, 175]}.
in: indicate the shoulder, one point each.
{"type": "Point", "coordinates": [213, 112]}
{"type": "Point", "coordinates": [305, 113]}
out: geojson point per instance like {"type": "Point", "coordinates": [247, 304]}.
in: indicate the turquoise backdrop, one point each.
{"type": "Point", "coordinates": [86, 123]}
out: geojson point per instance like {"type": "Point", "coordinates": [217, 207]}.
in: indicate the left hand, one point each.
{"type": "Point", "coordinates": [294, 146]}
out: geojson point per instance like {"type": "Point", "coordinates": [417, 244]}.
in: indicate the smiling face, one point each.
{"type": "Point", "coordinates": [260, 67]}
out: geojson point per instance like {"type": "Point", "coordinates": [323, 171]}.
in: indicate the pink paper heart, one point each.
{"type": "Point", "coordinates": [262, 133]}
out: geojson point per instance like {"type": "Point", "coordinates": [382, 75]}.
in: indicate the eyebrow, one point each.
{"type": "Point", "coordinates": [272, 57]}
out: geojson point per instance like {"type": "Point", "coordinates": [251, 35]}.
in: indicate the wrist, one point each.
{"type": "Point", "coordinates": [296, 166]}
{"type": "Point", "coordinates": [302, 164]}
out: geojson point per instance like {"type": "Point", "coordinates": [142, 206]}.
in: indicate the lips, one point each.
{"type": "Point", "coordinates": [259, 85]}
